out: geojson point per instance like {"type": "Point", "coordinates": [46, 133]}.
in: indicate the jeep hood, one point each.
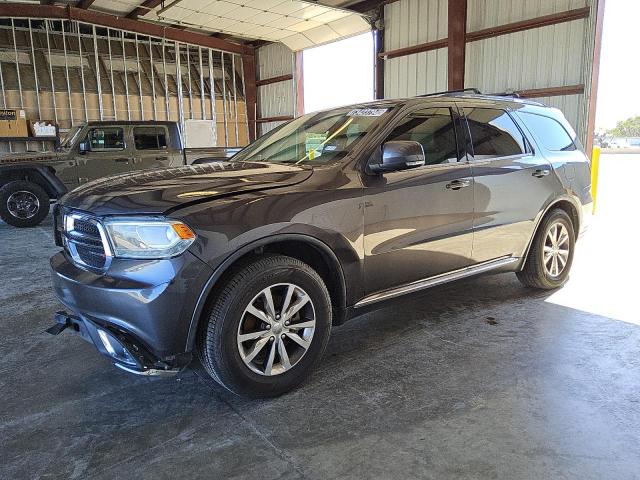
{"type": "Point", "coordinates": [160, 191]}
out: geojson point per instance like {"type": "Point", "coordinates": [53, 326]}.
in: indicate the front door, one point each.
{"type": "Point", "coordinates": [419, 222]}
{"type": "Point", "coordinates": [107, 154]}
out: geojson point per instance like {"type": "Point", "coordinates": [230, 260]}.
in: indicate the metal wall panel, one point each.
{"type": "Point", "coordinates": [274, 60]}
{"type": "Point", "coordinates": [557, 55]}
{"type": "Point", "coordinates": [483, 14]}
{"type": "Point", "coordinates": [553, 56]}
{"type": "Point", "coordinates": [276, 99]}
{"type": "Point", "coordinates": [412, 22]}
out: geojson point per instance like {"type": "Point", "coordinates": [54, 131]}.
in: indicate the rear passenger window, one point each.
{"type": "Point", "coordinates": [150, 138]}
{"type": "Point", "coordinates": [434, 129]}
{"type": "Point", "coordinates": [550, 132]}
{"type": "Point", "coordinates": [493, 134]}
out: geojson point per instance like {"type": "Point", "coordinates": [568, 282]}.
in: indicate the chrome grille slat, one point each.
{"type": "Point", "coordinates": [85, 243]}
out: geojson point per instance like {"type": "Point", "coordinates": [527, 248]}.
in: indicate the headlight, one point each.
{"type": "Point", "coordinates": [148, 237]}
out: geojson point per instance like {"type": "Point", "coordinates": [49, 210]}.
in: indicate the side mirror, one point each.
{"type": "Point", "coordinates": [83, 147]}
{"type": "Point", "coordinates": [400, 155]}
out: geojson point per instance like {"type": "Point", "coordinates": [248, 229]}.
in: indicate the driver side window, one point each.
{"type": "Point", "coordinates": [434, 129]}
{"type": "Point", "coordinates": [106, 139]}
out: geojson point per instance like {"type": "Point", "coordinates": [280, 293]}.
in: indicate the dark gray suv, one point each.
{"type": "Point", "coordinates": [248, 263]}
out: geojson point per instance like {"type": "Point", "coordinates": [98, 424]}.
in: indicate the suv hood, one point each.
{"type": "Point", "coordinates": [158, 191]}
{"type": "Point", "coordinates": [30, 157]}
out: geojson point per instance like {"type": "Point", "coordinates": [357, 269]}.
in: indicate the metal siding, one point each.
{"type": "Point", "coordinates": [275, 99]}
{"type": "Point", "coordinates": [412, 22]}
{"type": "Point", "coordinates": [556, 55]}
{"type": "Point", "coordinates": [544, 57]}
{"type": "Point", "coordinates": [483, 14]}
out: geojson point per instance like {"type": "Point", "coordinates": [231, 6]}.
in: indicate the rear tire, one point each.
{"type": "Point", "coordinates": [549, 261]}
{"type": "Point", "coordinates": [257, 350]}
{"type": "Point", "coordinates": [23, 203]}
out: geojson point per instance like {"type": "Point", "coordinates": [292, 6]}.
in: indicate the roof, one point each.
{"type": "Point", "coordinates": [150, 123]}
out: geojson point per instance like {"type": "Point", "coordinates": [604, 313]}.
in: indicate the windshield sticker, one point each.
{"type": "Point", "coordinates": [314, 143]}
{"type": "Point", "coordinates": [367, 112]}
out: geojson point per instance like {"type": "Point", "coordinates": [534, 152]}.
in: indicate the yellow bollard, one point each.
{"type": "Point", "coordinates": [595, 165]}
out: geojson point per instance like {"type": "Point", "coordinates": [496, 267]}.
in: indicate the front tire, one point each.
{"type": "Point", "coordinates": [23, 203]}
{"type": "Point", "coordinates": [549, 261]}
{"type": "Point", "coordinates": [267, 327]}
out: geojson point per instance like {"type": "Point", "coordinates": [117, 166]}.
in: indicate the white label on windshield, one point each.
{"type": "Point", "coordinates": [367, 112]}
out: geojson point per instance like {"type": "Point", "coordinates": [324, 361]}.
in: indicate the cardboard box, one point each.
{"type": "Point", "coordinates": [14, 128]}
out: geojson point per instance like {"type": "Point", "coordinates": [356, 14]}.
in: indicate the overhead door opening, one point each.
{"type": "Point", "coordinates": [338, 73]}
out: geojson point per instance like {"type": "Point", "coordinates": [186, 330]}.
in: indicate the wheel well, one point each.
{"type": "Point", "coordinates": [32, 176]}
{"type": "Point", "coordinates": [571, 211]}
{"type": "Point", "coordinates": [328, 268]}
{"type": "Point", "coordinates": [319, 261]}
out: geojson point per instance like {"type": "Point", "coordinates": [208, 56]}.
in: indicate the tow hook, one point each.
{"type": "Point", "coordinates": [62, 321]}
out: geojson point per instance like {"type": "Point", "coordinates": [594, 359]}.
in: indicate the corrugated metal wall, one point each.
{"type": "Point", "coordinates": [276, 99]}
{"type": "Point", "coordinates": [557, 55]}
{"type": "Point", "coordinates": [408, 23]}
{"type": "Point", "coordinates": [544, 57]}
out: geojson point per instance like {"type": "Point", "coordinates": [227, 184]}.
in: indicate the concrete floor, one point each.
{"type": "Point", "coordinates": [479, 379]}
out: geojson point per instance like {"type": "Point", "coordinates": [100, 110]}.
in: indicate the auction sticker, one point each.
{"type": "Point", "coordinates": [367, 112]}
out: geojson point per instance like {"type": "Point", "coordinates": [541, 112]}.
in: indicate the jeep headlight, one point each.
{"type": "Point", "coordinates": [148, 237]}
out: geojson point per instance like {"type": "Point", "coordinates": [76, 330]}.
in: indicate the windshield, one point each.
{"type": "Point", "coordinates": [315, 138]}
{"type": "Point", "coordinates": [70, 138]}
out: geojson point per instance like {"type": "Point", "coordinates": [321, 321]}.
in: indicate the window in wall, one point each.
{"type": "Point", "coordinates": [104, 139]}
{"type": "Point", "coordinates": [550, 132]}
{"type": "Point", "coordinates": [493, 134]}
{"type": "Point", "coordinates": [150, 138]}
{"type": "Point", "coordinates": [434, 129]}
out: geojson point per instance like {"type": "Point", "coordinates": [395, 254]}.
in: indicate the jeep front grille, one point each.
{"type": "Point", "coordinates": [85, 241]}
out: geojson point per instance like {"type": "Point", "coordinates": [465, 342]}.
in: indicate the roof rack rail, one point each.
{"type": "Point", "coordinates": [445, 92]}
{"type": "Point", "coordinates": [508, 93]}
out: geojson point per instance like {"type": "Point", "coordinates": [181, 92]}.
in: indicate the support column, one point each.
{"type": "Point", "coordinates": [298, 78]}
{"type": "Point", "coordinates": [595, 74]}
{"type": "Point", "coordinates": [378, 47]}
{"type": "Point", "coordinates": [457, 33]}
{"type": "Point", "coordinates": [249, 64]}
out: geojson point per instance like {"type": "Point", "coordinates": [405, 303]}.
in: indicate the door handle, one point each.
{"type": "Point", "coordinates": [161, 158]}
{"type": "Point", "coordinates": [458, 184]}
{"type": "Point", "coordinates": [541, 173]}
{"type": "Point", "coordinates": [122, 160]}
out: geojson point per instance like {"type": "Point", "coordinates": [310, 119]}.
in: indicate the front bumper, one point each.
{"type": "Point", "coordinates": [125, 352]}
{"type": "Point", "coordinates": [143, 308]}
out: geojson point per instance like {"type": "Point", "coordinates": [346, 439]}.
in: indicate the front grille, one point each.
{"type": "Point", "coordinates": [84, 242]}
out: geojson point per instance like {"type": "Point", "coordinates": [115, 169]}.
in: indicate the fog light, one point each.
{"type": "Point", "coordinates": [115, 349]}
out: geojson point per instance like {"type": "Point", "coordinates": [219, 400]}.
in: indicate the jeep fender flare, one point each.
{"type": "Point", "coordinates": [40, 174]}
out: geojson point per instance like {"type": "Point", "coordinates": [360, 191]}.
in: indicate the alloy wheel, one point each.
{"type": "Point", "coordinates": [23, 204]}
{"type": "Point", "coordinates": [556, 249]}
{"type": "Point", "coordinates": [276, 329]}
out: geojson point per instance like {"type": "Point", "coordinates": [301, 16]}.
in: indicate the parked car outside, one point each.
{"type": "Point", "coordinates": [247, 264]}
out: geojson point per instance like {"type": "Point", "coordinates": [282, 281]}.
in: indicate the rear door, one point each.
{"type": "Point", "coordinates": [151, 147]}
{"type": "Point", "coordinates": [108, 153]}
{"type": "Point", "coordinates": [511, 182]}
{"type": "Point", "coordinates": [419, 222]}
